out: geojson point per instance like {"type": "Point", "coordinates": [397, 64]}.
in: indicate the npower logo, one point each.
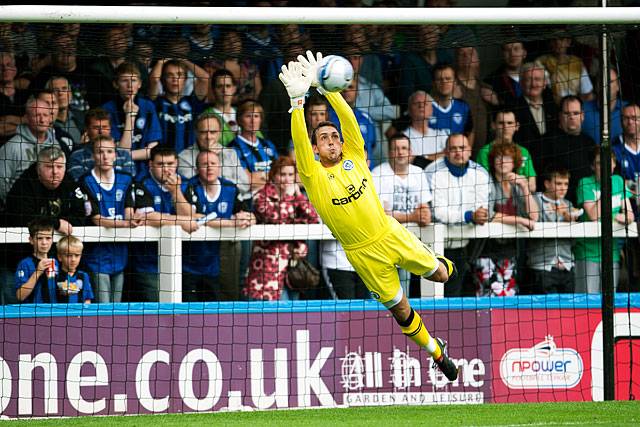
{"type": "Point", "coordinates": [542, 366]}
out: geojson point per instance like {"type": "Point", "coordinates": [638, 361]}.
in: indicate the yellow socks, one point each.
{"type": "Point", "coordinates": [416, 331]}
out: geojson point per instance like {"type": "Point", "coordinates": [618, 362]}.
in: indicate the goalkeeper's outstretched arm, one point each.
{"type": "Point", "coordinates": [348, 123]}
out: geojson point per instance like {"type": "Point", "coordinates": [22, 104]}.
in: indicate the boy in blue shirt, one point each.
{"type": "Point", "coordinates": [73, 285]}
{"type": "Point", "coordinates": [214, 203]}
{"type": "Point", "coordinates": [35, 275]}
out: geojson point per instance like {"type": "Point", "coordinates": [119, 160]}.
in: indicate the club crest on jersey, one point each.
{"type": "Point", "coordinates": [223, 206]}
{"type": "Point", "coordinates": [119, 194]}
{"type": "Point", "coordinates": [347, 165]}
{"type": "Point", "coordinates": [140, 123]}
{"type": "Point", "coordinates": [157, 200]}
{"type": "Point", "coordinates": [375, 295]}
{"type": "Point", "coordinates": [457, 118]}
{"type": "Point", "coordinates": [185, 106]}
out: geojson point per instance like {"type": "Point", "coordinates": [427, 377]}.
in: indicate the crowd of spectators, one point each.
{"type": "Point", "coordinates": [186, 125]}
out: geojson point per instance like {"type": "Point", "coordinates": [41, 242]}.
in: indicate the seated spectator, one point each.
{"type": "Point", "coordinates": [567, 146]}
{"type": "Point", "coordinates": [72, 285]}
{"type": "Point", "coordinates": [261, 45]}
{"type": "Point", "coordinates": [111, 202]}
{"type": "Point", "coordinates": [67, 119]}
{"type": "Point", "coordinates": [450, 115]}
{"type": "Point", "coordinates": [245, 74]}
{"type": "Point", "coordinates": [214, 200]}
{"type": "Point", "coordinates": [12, 99]}
{"type": "Point", "coordinates": [587, 250]}
{"type": "Point", "coordinates": [223, 88]}
{"type": "Point", "coordinates": [427, 144]}
{"type": "Point", "coordinates": [176, 112]}
{"type": "Point", "coordinates": [627, 150]}
{"type": "Point", "coordinates": [367, 126]}
{"type": "Point", "coordinates": [550, 260]}
{"type": "Point", "coordinates": [208, 132]}
{"type": "Point", "coordinates": [591, 124]}
{"type": "Point", "coordinates": [66, 141]}
{"type": "Point", "coordinates": [416, 68]}
{"type": "Point", "coordinates": [504, 126]}
{"type": "Point", "coordinates": [536, 112]}
{"type": "Point", "coordinates": [133, 114]}
{"type": "Point", "coordinates": [96, 123]}
{"type": "Point", "coordinates": [35, 275]}
{"type": "Point", "coordinates": [496, 270]}
{"type": "Point", "coordinates": [280, 201]}
{"type": "Point", "coordinates": [203, 41]}
{"type": "Point", "coordinates": [46, 190]}
{"type": "Point", "coordinates": [165, 205]}
{"type": "Point", "coordinates": [356, 35]}
{"type": "Point", "coordinates": [255, 154]}
{"type": "Point", "coordinates": [20, 152]}
{"type": "Point", "coordinates": [460, 190]}
{"type": "Point", "coordinates": [505, 80]}
{"type": "Point", "coordinates": [403, 190]}
{"type": "Point", "coordinates": [567, 73]}
{"type": "Point", "coordinates": [473, 91]}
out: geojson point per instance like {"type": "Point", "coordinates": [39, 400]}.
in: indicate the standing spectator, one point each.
{"type": "Point", "coordinates": [35, 275]}
{"type": "Point", "coordinates": [504, 126]}
{"type": "Point", "coordinates": [165, 205]}
{"type": "Point", "coordinates": [403, 190]}
{"type": "Point", "coordinates": [473, 91]}
{"type": "Point", "coordinates": [450, 115]}
{"type": "Point", "coordinates": [550, 260]}
{"type": "Point", "coordinates": [627, 148]}
{"type": "Point", "coordinates": [131, 113]}
{"type": "Point", "coordinates": [176, 112]}
{"type": "Point", "coordinates": [568, 146]}
{"type": "Point", "coordinates": [536, 112]}
{"type": "Point", "coordinates": [215, 198]}
{"type": "Point", "coordinates": [97, 122]}
{"type": "Point", "coordinates": [45, 190]}
{"type": "Point", "coordinates": [587, 250]}
{"type": "Point", "coordinates": [505, 80]}
{"type": "Point", "coordinates": [67, 119]}
{"type": "Point", "coordinates": [280, 201]}
{"type": "Point", "coordinates": [261, 45]}
{"type": "Point", "coordinates": [460, 190]}
{"type": "Point", "coordinates": [21, 151]}
{"type": "Point", "coordinates": [496, 271]}
{"type": "Point", "coordinates": [111, 203]}
{"type": "Point", "coordinates": [208, 133]}
{"type": "Point", "coordinates": [224, 88]}
{"type": "Point", "coordinates": [416, 68]}
{"type": "Point", "coordinates": [567, 73]}
{"type": "Point", "coordinates": [255, 154]}
{"type": "Point", "coordinates": [73, 285]}
{"type": "Point", "coordinates": [591, 124]}
{"type": "Point", "coordinates": [427, 144]}
{"type": "Point", "coordinates": [12, 99]}
{"type": "Point", "coordinates": [367, 127]}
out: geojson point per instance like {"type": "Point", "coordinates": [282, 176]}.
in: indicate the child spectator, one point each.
{"type": "Point", "coordinates": [513, 204]}
{"type": "Point", "coordinates": [133, 114]}
{"type": "Point", "coordinates": [214, 200]}
{"type": "Point", "coordinates": [223, 92]}
{"type": "Point", "coordinates": [255, 154]}
{"type": "Point", "coordinates": [73, 285]}
{"type": "Point", "coordinates": [550, 260]}
{"type": "Point", "coordinates": [587, 250]}
{"type": "Point", "coordinates": [35, 275]}
{"type": "Point", "coordinates": [110, 203]}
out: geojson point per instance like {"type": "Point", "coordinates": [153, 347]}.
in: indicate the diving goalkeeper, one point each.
{"type": "Point", "coordinates": [340, 187]}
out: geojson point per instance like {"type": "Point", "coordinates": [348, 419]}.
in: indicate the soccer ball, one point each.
{"type": "Point", "coordinates": [335, 73]}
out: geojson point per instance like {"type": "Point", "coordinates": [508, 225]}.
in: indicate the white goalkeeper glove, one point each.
{"type": "Point", "coordinates": [296, 82]}
{"type": "Point", "coordinates": [310, 65]}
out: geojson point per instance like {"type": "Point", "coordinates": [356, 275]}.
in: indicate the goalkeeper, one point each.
{"type": "Point", "coordinates": [340, 187]}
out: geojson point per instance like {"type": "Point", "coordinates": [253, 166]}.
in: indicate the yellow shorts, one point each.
{"type": "Point", "coordinates": [376, 263]}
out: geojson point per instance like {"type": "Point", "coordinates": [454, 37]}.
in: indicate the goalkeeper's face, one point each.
{"type": "Point", "coordinates": [328, 145]}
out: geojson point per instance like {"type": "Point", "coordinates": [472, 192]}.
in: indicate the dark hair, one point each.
{"type": "Point", "coordinates": [174, 63]}
{"type": "Point", "coordinates": [503, 110]}
{"type": "Point", "coordinates": [96, 114]}
{"type": "Point", "coordinates": [570, 98]}
{"type": "Point", "coordinates": [321, 124]}
{"type": "Point", "coordinates": [396, 136]}
{"type": "Point", "coordinates": [162, 150]}
{"type": "Point", "coordinates": [596, 153]}
{"type": "Point", "coordinates": [278, 164]}
{"type": "Point", "coordinates": [552, 171]}
{"type": "Point", "coordinates": [315, 100]}
{"type": "Point", "coordinates": [223, 72]}
{"type": "Point", "coordinates": [100, 138]}
{"type": "Point", "coordinates": [127, 68]}
{"type": "Point", "coordinates": [442, 66]}
{"type": "Point", "coordinates": [38, 224]}
{"type": "Point", "coordinates": [505, 149]}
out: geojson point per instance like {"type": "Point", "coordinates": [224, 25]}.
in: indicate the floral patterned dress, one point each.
{"type": "Point", "coordinates": [269, 259]}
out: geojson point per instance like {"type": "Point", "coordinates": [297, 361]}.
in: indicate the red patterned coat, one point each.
{"type": "Point", "coordinates": [267, 268]}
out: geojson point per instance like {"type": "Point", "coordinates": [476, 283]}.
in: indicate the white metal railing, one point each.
{"type": "Point", "coordinates": [170, 240]}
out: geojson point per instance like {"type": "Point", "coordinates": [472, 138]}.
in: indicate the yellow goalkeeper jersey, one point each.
{"type": "Point", "coordinates": [343, 195]}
